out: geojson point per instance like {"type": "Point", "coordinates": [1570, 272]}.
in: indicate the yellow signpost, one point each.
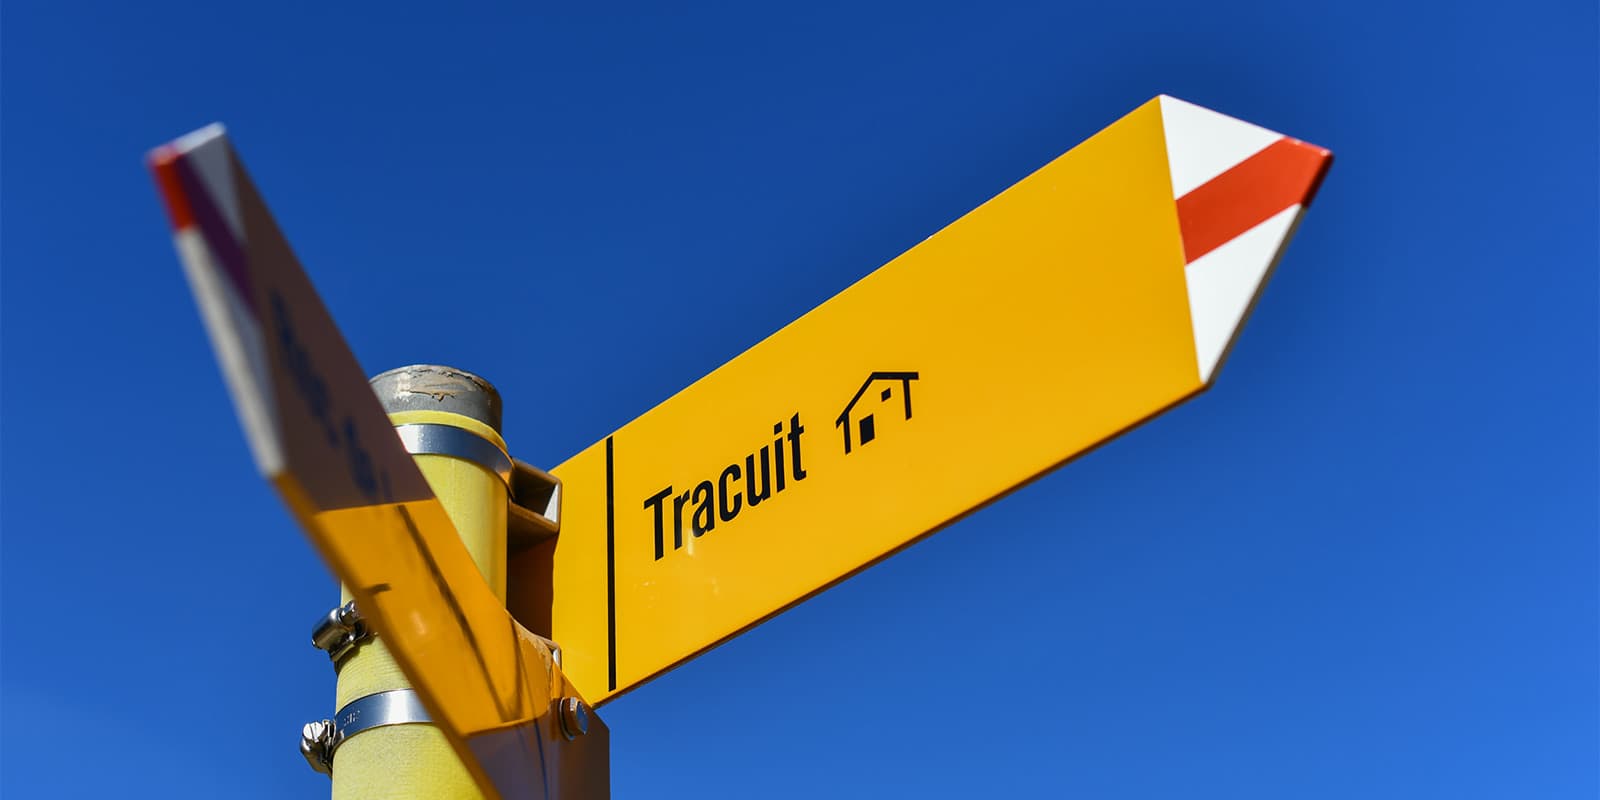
{"type": "Point", "coordinates": [1092, 295]}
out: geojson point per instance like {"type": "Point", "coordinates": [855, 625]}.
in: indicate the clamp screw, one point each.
{"type": "Point", "coordinates": [340, 632]}
{"type": "Point", "coordinates": [316, 744]}
{"type": "Point", "coordinates": [574, 718]}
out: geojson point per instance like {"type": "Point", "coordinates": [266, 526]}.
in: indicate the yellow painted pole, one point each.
{"type": "Point", "coordinates": [413, 760]}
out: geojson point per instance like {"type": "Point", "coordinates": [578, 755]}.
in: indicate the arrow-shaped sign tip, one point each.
{"type": "Point", "coordinates": [198, 180]}
{"type": "Point", "coordinates": [1240, 191]}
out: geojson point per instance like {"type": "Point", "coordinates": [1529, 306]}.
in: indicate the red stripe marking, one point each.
{"type": "Point", "coordinates": [1287, 172]}
{"type": "Point", "coordinates": [164, 163]}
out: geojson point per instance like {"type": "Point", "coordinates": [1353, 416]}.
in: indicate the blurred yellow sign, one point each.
{"type": "Point", "coordinates": [319, 434]}
{"type": "Point", "coordinates": [1092, 295]}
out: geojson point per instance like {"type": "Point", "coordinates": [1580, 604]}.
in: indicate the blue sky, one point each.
{"type": "Point", "coordinates": [1363, 565]}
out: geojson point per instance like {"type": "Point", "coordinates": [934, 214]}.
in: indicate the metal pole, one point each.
{"type": "Point", "coordinates": [414, 760]}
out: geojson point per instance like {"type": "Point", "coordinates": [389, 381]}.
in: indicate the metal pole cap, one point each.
{"type": "Point", "coordinates": [431, 387]}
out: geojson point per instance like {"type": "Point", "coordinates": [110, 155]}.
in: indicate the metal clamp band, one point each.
{"type": "Point", "coordinates": [397, 707]}
{"type": "Point", "coordinates": [447, 440]}
{"type": "Point", "coordinates": [319, 741]}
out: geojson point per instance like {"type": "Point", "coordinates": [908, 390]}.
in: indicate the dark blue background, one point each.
{"type": "Point", "coordinates": [1364, 565]}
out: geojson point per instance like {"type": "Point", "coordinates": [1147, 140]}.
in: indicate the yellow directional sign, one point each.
{"type": "Point", "coordinates": [319, 434]}
{"type": "Point", "coordinates": [1097, 292]}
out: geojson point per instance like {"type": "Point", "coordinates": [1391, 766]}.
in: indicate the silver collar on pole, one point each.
{"type": "Point", "coordinates": [427, 438]}
{"type": "Point", "coordinates": [320, 740]}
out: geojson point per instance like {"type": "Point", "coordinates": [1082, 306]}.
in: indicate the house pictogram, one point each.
{"type": "Point", "coordinates": [863, 424]}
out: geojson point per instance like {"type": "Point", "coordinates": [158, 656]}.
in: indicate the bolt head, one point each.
{"type": "Point", "coordinates": [574, 715]}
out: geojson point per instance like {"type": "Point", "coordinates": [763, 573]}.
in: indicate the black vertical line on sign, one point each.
{"type": "Point", "coordinates": [611, 568]}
